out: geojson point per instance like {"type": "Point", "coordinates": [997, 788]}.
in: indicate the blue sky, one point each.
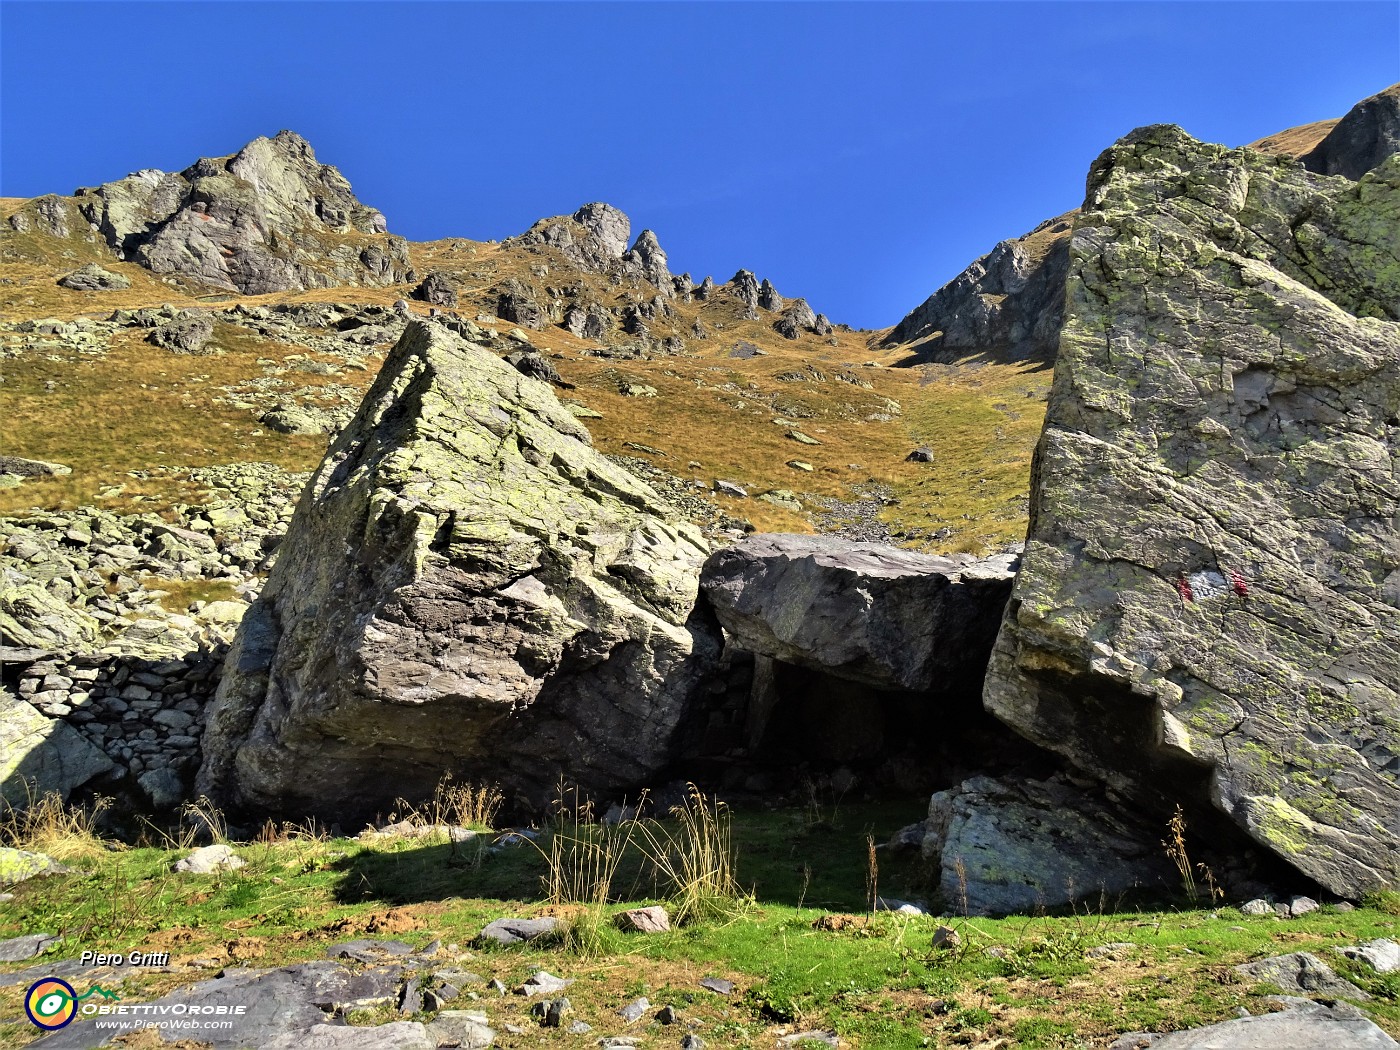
{"type": "Point", "coordinates": [858, 154]}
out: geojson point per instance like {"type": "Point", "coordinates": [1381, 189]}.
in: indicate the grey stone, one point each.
{"type": "Point", "coordinates": [93, 278]}
{"type": "Point", "coordinates": [269, 218]}
{"type": "Point", "coordinates": [1199, 593]}
{"type": "Point", "coordinates": [1381, 955]}
{"type": "Point", "coordinates": [208, 859]}
{"type": "Point", "coordinates": [1310, 1026]}
{"type": "Point", "coordinates": [1007, 306]}
{"type": "Point", "coordinates": [593, 238]}
{"type": "Point", "coordinates": [31, 468]}
{"type": "Point", "coordinates": [542, 982]}
{"type": "Point", "coordinates": [163, 787]}
{"type": "Point", "coordinates": [718, 985]}
{"type": "Point", "coordinates": [17, 949]}
{"type": "Point", "coordinates": [186, 334]}
{"type": "Point", "coordinates": [283, 1007]}
{"type": "Point", "coordinates": [400, 1035]}
{"type": "Point", "coordinates": [39, 755]}
{"type": "Point", "coordinates": [1301, 906]}
{"type": "Point", "coordinates": [865, 612]}
{"type": "Point", "coordinates": [521, 607]}
{"type": "Point", "coordinates": [1256, 907]}
{"type": "Point", "coordinates": [1015, 845]}
{"type": "Point", "coordinates": [635, 1010]}
{"type": "Point", "coordinates": [813, 1035]}
{"type": "Point", "coordinates": [1302, 973]}
{"type": "Point", "coordinates": [436, 288]}
{"type": "Point", "coordinates": [517, 931]}
{"type": "Point", "coordinates": [466, 1029]}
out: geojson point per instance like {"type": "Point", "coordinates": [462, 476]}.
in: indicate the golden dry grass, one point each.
{"type": "Point", "coordinates": [142, 409]}
{"type": "Point", "coordinates": [1294, 142]}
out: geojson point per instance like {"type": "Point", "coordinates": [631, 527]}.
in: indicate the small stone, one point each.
{"type": "Point", "coordinates": [580, 1028]}
{"type": "Point", "coordinates": [731, 488]}
{"type": "Point", "coordinates": [946, 938]}
{"type": "Point", "coordinates": [692, 1042]}
{"type": "Point", "coordinates": [666, 1015]}
{"type": "Point", "coordinates": [922, 454]}
{"type": "Point", "coordinates": [542, 982]}
{"type": "Point", "coordinates": [635, 1010]}
{"type": "Point", "coordinates": [208, 859]}
{"type": "Point", "coordinates": [643, 920]}
{"type": "Point", "coordinates": [1301, 906]}
{"type": "Point", "coordinates": [812, 1036]}
{"type": "Point", "coordinates": [1256, 907]}
{"type": "Point", "coordinates": [801, 438]}
{"type": "Point", "coordinates": [718, 985]}
{"type": "Point", "coordinates": [518, 931]}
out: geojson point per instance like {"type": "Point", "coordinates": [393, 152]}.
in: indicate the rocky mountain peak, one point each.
{"type": "Point", "coordinates": [593, 238]}
{"type": "Point", "coordinates": [251, 222]}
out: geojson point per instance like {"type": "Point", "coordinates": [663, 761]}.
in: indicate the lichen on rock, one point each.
{"type": "Point", "coordinates": [1209, 601]}
{"type": "Point", "coordinates": [466, 586]}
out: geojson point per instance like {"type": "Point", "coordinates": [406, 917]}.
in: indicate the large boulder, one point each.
{"type": "Point", "coordinates": [1208, 608]}
{"type": "Point", "coordinates": [269, 218]}
{"type": "Point", "coordinates": [466, 586]}
{"type": "Point", "coordinates": [865, 612]}
{"type": "Point", "coordinates": [1019, 844]}
{"type": "Point", "coordinates": [93, 278]}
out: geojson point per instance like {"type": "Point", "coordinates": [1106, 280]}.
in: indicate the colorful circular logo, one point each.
{"type": "Point", "coordinates": [51, 1003]}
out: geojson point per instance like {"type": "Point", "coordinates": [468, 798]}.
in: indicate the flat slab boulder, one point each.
{"type": "Point", "coordinates": [866, 612]}
{"type": "Point", "coordinates": [1208, 608]}
{"type": "Point", "coordinates": [466, 586]}
{"type": "Point", "coordinates": [1302, 1025]}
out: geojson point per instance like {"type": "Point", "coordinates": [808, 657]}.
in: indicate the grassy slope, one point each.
{"type": "Point", "coordinates": [876, 981]}
{"type": "Point", "coordinates": [140, 408]}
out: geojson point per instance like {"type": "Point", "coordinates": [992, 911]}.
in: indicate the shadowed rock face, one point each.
{"type": "Point", "coordinates": [466, 586]}
{"type": "Point", "coordinates": [255, 222]}
{"type": "Point", "coordinates": [1366, 136]}
{"type": "Point", "coordinates": [1209, 601]}
{"type": "Point", "coordinates": [866, 612]}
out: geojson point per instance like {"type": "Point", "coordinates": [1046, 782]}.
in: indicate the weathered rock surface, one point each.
{"type": "Point", "coordinates": [1362, 139]}
{"type": "Point", "coordinates": [1302, 973]}
{"type": "Point", "coordinates": [593, 238]}
{"type": "Point", "coordinates": [1016, 844]}
{"type": "Point", "coordinates": [93, 278]}
{"type": "Point", "coordinates": [1208, 607]}
{"type": "Point", "coordinates": [468, 586]}
{"type": "Point", "coordinates": [865, 612]}
{"type": "Point", "coordinates": [186, 334]}
{"type": "Point", "coordinates": [269, 218]}
{"type": "Point", "coordinates": [1303, 1026]}
{"type": "Point", "coordinates": [1008, 305]}
{"type": "Point", "coordinates": [39, 755]}
{"type": "Point", "coordinates": [1381, 955]}
{"type": "Point", "coordinates": [436, 288]}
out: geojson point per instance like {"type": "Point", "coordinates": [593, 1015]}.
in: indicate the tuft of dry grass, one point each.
{"type": "Point", "coordinates": [694, 854]}
{"type": "Point", "coordinates": [48, 825]}
{"type": "Point", "coordinates": [466, 805]}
